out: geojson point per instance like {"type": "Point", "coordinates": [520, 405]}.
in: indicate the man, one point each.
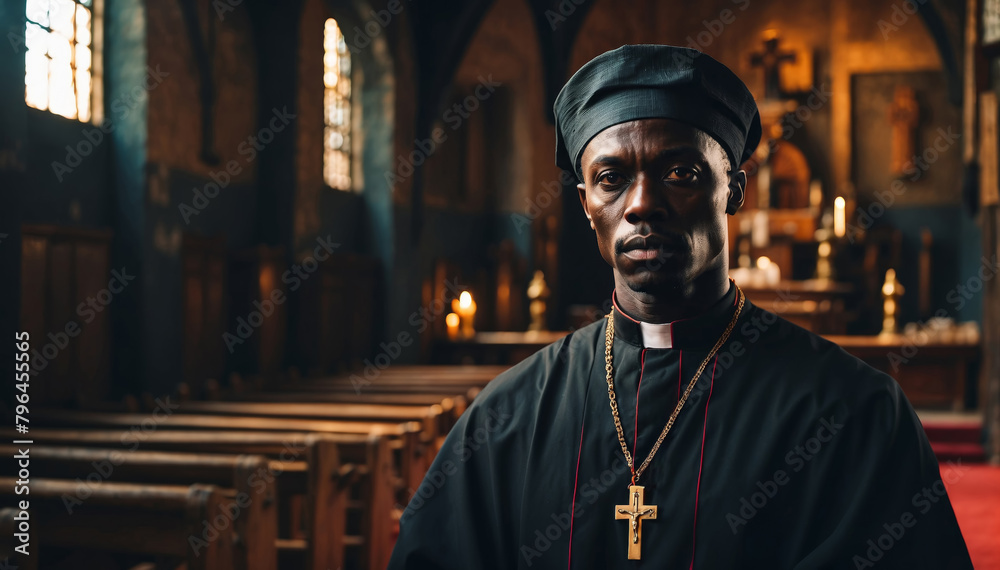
{"type": "Point", "coordinates": [691, 429]}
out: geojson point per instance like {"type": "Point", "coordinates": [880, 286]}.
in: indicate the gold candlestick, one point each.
{"type": "Point", "coordinates": [892, 290]}
{"type": "Point", "coordinates": [538, 292]}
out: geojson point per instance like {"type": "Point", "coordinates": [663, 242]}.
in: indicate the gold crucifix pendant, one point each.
{"type": "Point", "coordinates": [635, 512]}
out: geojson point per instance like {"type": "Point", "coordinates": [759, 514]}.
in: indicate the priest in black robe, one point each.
{"type": "Point", "coordinates": [690, 428]}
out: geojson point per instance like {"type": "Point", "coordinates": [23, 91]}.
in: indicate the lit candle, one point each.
{"type": "Point", "coordinates": [466, 309]}
{"type": "Point", "coordinates": [452, 321]}
{"type": "Point", "coordinates": [839, 217]}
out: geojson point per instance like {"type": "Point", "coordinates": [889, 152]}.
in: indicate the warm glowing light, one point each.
{"type": "Point", "coordinates": [61, 66]}
{"type": "Point", "coordinates": [889, 287]}
{"type": "Point", "coordinates": [465, 300]}
{"type": "Point", "coordinates": [839, 217]}
{"type": "Point", "coordinates": [763, 262]}
{"type": "Point", "coordinates": [451, 320]}
{"type": "Point", "coordinates": [336, 108]}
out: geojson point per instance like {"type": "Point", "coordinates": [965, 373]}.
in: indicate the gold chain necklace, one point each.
{"type": "Point", "coordinates": [637, 511]}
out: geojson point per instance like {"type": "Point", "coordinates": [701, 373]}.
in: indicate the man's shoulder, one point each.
{"type": "Point", "coordinates": [573, 350]}
{"type": "Point", "coordinates": [807, 355]}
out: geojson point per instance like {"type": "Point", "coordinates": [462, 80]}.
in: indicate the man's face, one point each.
{"type": "Point", "coordinates": [657, 192]}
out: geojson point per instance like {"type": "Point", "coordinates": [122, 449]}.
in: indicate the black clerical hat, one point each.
{"type": "Point", "coordinates": [655, 81]}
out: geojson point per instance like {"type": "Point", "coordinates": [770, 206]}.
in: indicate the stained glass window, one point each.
{"type": "Point", "coordinates": [991, 21]}
{"type": "Point", "coordinates": [62, 63]}
{"type": "Point", "coordinates": [336, 108]}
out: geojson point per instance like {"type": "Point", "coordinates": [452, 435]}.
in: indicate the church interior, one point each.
{"type": "Point", "coordinates": [259, 256]}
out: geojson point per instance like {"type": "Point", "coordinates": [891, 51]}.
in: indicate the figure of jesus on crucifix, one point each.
{"type": "Point", "coordinates": [636, 515]}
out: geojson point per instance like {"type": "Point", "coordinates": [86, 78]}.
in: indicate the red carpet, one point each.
{"type": "Point", "coordinates": [973, 486]}
{"type": "Point", "coordinates": [975, 494]}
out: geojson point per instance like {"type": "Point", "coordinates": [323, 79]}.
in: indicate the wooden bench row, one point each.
{"type": "Point", "coordinates": [320, 474]}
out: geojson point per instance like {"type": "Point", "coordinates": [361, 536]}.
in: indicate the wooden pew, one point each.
{"type": "Point", "coordinates": [434, 421]}
{"type": "Point", "coordinates": [335, 473]}
{"type": "Point", "coordinates": [256, 524]}
{"type": "Point", "coordinates": [452, 405]}
{"type": "Point", "coordinates": [415, 454]}
{"type": "Point", "coordinates": [156, 520]}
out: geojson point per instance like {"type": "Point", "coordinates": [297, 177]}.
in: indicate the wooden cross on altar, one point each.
{"type": "Point", "coordinates": [635, 512]}
{"type": "Point", "coordinates": [771, 59]}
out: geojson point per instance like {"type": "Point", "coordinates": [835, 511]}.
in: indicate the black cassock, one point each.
{"type": "Point", "coordinates": [789, 453]}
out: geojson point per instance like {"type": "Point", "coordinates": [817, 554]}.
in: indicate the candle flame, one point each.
{"type": "Point", "coordinates": [451, 320]}
{"type": "Point", "coordinates": [839, 217]}
{"type": "Point", "coordinates": [465, 300]}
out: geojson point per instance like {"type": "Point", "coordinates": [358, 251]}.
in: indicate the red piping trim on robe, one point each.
{"type": "Point", "coordinates": [576, 481]}
{"type": "Point", "coordinates": [701, 464]}
{"type": "Point", "coordinates": [635, 438]}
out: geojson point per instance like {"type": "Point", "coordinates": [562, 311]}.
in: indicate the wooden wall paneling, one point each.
{"type": "Point", "coordinates": [93, 346]}
{"type": "Point", "coordinates": [62, 267]}
{"type": "Point", "coordinates": [62, 291]}
{"type": "Point", "coordinates": [204, 274]}
{"type": "Point", "coordinates": [34, 253]}
{"type": "Point", "coordinates": [254, 276]}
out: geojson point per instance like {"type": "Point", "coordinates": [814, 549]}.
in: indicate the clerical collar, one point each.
{"type": "Point", "coordinates": [700, 331]}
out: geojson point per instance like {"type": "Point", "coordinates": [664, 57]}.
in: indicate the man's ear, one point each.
{"type": "Point", "coordinates": [582, 190]}
{"type": "Point", "coordinates": [737, 191]}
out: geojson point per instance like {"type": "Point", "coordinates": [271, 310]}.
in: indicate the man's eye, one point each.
{"type": "Point", "coordinates": [681, 174]}
{"type": "Point", "coordinates": [611, 179]}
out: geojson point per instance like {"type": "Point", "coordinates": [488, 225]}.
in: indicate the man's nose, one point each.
{"type": "Point", "coordinates": [646, 201]}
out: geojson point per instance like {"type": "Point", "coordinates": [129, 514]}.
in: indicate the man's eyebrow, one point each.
{"type": "Point", "coordinates": [608, 159]}
{"type": "Point", "coordinates": [665, 154]}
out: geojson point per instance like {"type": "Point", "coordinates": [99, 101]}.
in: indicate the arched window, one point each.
{"type": "Point", "coordinates": [336, 108]}
{"type": "Point", "coordinates": [63, 60]}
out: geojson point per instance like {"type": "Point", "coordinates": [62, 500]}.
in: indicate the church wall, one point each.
{"type": "Point", "coordinates": [175, 105]}
{"type": "Point", "coordinates": [182, 173]}
{"type": "Point", "coordinates": [503, 172]}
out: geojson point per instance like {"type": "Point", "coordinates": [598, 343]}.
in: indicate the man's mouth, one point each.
{"type": "Point", "coordinates": [652, 246]}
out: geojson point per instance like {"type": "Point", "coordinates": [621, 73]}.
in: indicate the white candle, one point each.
{"type": "Point", "coordinates": [839, 217]}
{"type": "Point", "coordinates": [465, 306]}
